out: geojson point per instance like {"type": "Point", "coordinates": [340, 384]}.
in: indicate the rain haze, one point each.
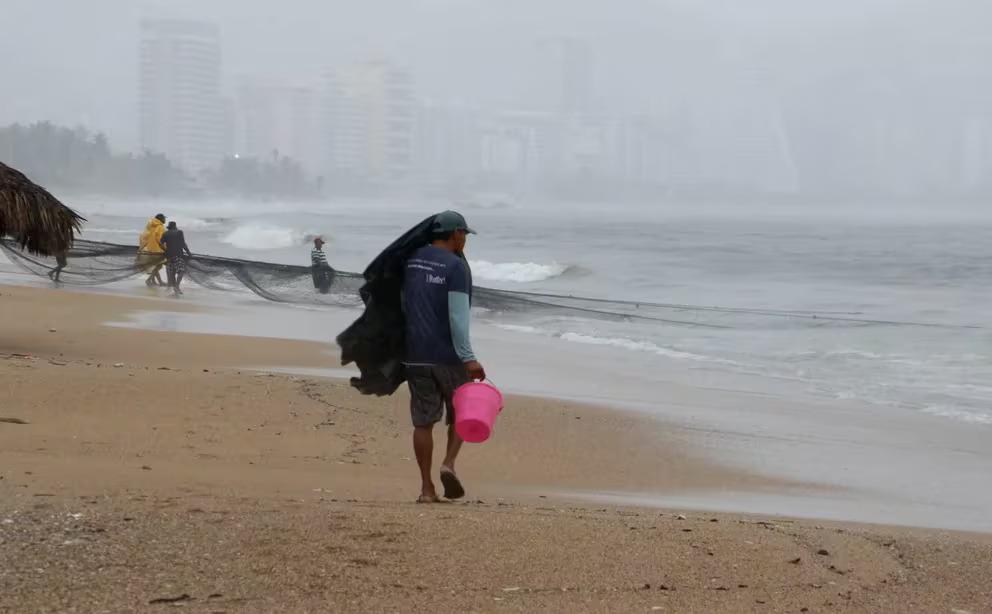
{"type": "Point", "coordinates": [726, 259]}
{"type": "Point", "coordinates": [882, 98]}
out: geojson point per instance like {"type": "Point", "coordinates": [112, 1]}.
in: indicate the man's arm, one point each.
{"type": "Point", "coordinates": [459, 316]}
{"type": "Point", "coordinates": [186, 248]}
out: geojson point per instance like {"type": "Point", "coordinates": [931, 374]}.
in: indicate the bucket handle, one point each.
{"type": "Point", "coordinates": [489, 381]}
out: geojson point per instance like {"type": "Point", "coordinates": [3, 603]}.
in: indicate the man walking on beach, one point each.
{"type": "Point", "coordinates": [174, 244]}
{"type": "Point", "coordinates": [437, 291]}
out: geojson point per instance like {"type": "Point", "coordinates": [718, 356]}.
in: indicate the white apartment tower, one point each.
{"type": "Point", "coordinates": [371, 112]}
{"type": "Point", "coordinates": [181, 109]}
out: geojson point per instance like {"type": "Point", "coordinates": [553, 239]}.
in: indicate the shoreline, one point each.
{"type": "Point", "coordinates": [781, 452]}
{"type": "Point", "coordinates": [148, 468]}
{"type": "Point", "coordinates": [879, 455]}
{"type": "Point", "coordinates": [84, 342]}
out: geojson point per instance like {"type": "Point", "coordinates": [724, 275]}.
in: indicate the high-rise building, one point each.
{"type": "Point", "coordinates": [181, 109]}
{"type": "Point", "coordinates": [371, 113]}
{"type": "Point", "coordinates": [448, 144]}
{"type": "Point", "coordinates": [280, 121]}
{"type": "Point", "coordinates": [564, 76]}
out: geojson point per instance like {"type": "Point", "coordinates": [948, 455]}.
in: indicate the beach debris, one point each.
{"type": "Point", "coordinates": [797, 560]}
{"type": "Point", "coordinates": [57, 363]}
{"type": "Point", "coordinates": [52, 330]}
{"type": "Point", "coordinates": [680, 517]}
{"type": "Point", "coordinates": [511, 589]}
{"type": "Point", "coordinates": [8, 521]}
{"type": "Point", "coordinates": [823, 552]}
{"type": "Point", "coordinates": [12, 421]}
{"type": "Point", "coordinates": [742, 586]}
{"type": "Point", "coordinates": [146, 468]}
{"type": "Point", "coordinates": [656, 608]}
{"type": "Point", "coordinates": [664, 587]}
{"type": "Point", "coordinates": [714, 520]}
{"type": "Point", "coordinates": [214, 596]}
{"type": "Point", "coordinates": [118, 365]}
{"type": "Point", "coordinates": [646, 587]}
{"type": "Point", "coordinates": [180, 598]}
{"type": "Point", "coordinates": [75, 516]}
{"type": "Point", "coordinates": [957, 611]}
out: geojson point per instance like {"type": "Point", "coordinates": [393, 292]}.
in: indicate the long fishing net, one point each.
{"type": "Point", "coordinates": [94, 263]}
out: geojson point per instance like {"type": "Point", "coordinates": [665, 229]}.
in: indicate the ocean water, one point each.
{"type": "Point", "coordinates": [888, 308]}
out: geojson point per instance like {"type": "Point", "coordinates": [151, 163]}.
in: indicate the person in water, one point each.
{"type": "Point", "coordinates": [176, 251]}
{"type": "Point", "coordinates": [151, 256]}
{"type": "Point", "coordinates": [322, 272]}
{"type": "Point", "coordinates": [437, 288]}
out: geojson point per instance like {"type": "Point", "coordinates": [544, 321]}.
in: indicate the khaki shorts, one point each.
{"type": "Point", "coordinates": [431, 391]}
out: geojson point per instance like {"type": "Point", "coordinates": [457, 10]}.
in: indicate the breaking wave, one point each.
{"type": "Point", "coordinates": [257, 236]}
{"type": "Point", "coordinates": [517, 272]}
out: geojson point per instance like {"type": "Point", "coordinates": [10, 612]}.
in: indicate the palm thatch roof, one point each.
{"type": "Point", "coordinates": [34, 218]}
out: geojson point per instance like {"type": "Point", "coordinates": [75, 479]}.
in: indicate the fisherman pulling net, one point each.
{"type": "Point", "coordinates": [91, 263]}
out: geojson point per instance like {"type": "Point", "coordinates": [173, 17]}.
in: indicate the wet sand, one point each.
{"type": "Point", "coordinates": [142, 465]}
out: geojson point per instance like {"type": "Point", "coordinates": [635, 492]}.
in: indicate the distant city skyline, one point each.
{"type": "Point", "coordinates": [873, 97]}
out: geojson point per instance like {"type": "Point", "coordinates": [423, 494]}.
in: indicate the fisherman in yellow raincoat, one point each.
{"type": "Point", "coordinates": [151, 256]}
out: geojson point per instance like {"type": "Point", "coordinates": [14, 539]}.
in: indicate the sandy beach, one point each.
{"type": "Point", "coordinates": [143, 470]}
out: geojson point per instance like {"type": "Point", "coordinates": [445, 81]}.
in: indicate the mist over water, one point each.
{"type": "Point", "coordinates": [880, 100]}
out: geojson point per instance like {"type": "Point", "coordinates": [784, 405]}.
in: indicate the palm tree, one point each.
{"type": "Point", "coordinates": [34, 218]}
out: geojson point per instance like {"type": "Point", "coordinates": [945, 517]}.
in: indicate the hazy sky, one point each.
{"type": "Point", "coordinates": [74, 61]}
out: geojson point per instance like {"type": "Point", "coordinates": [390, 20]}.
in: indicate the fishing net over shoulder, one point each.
{"type": "Point", "coordinates": [94, 263]}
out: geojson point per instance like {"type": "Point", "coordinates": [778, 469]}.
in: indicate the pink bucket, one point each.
{"type": "Point", "coordinates": [476, 406]}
